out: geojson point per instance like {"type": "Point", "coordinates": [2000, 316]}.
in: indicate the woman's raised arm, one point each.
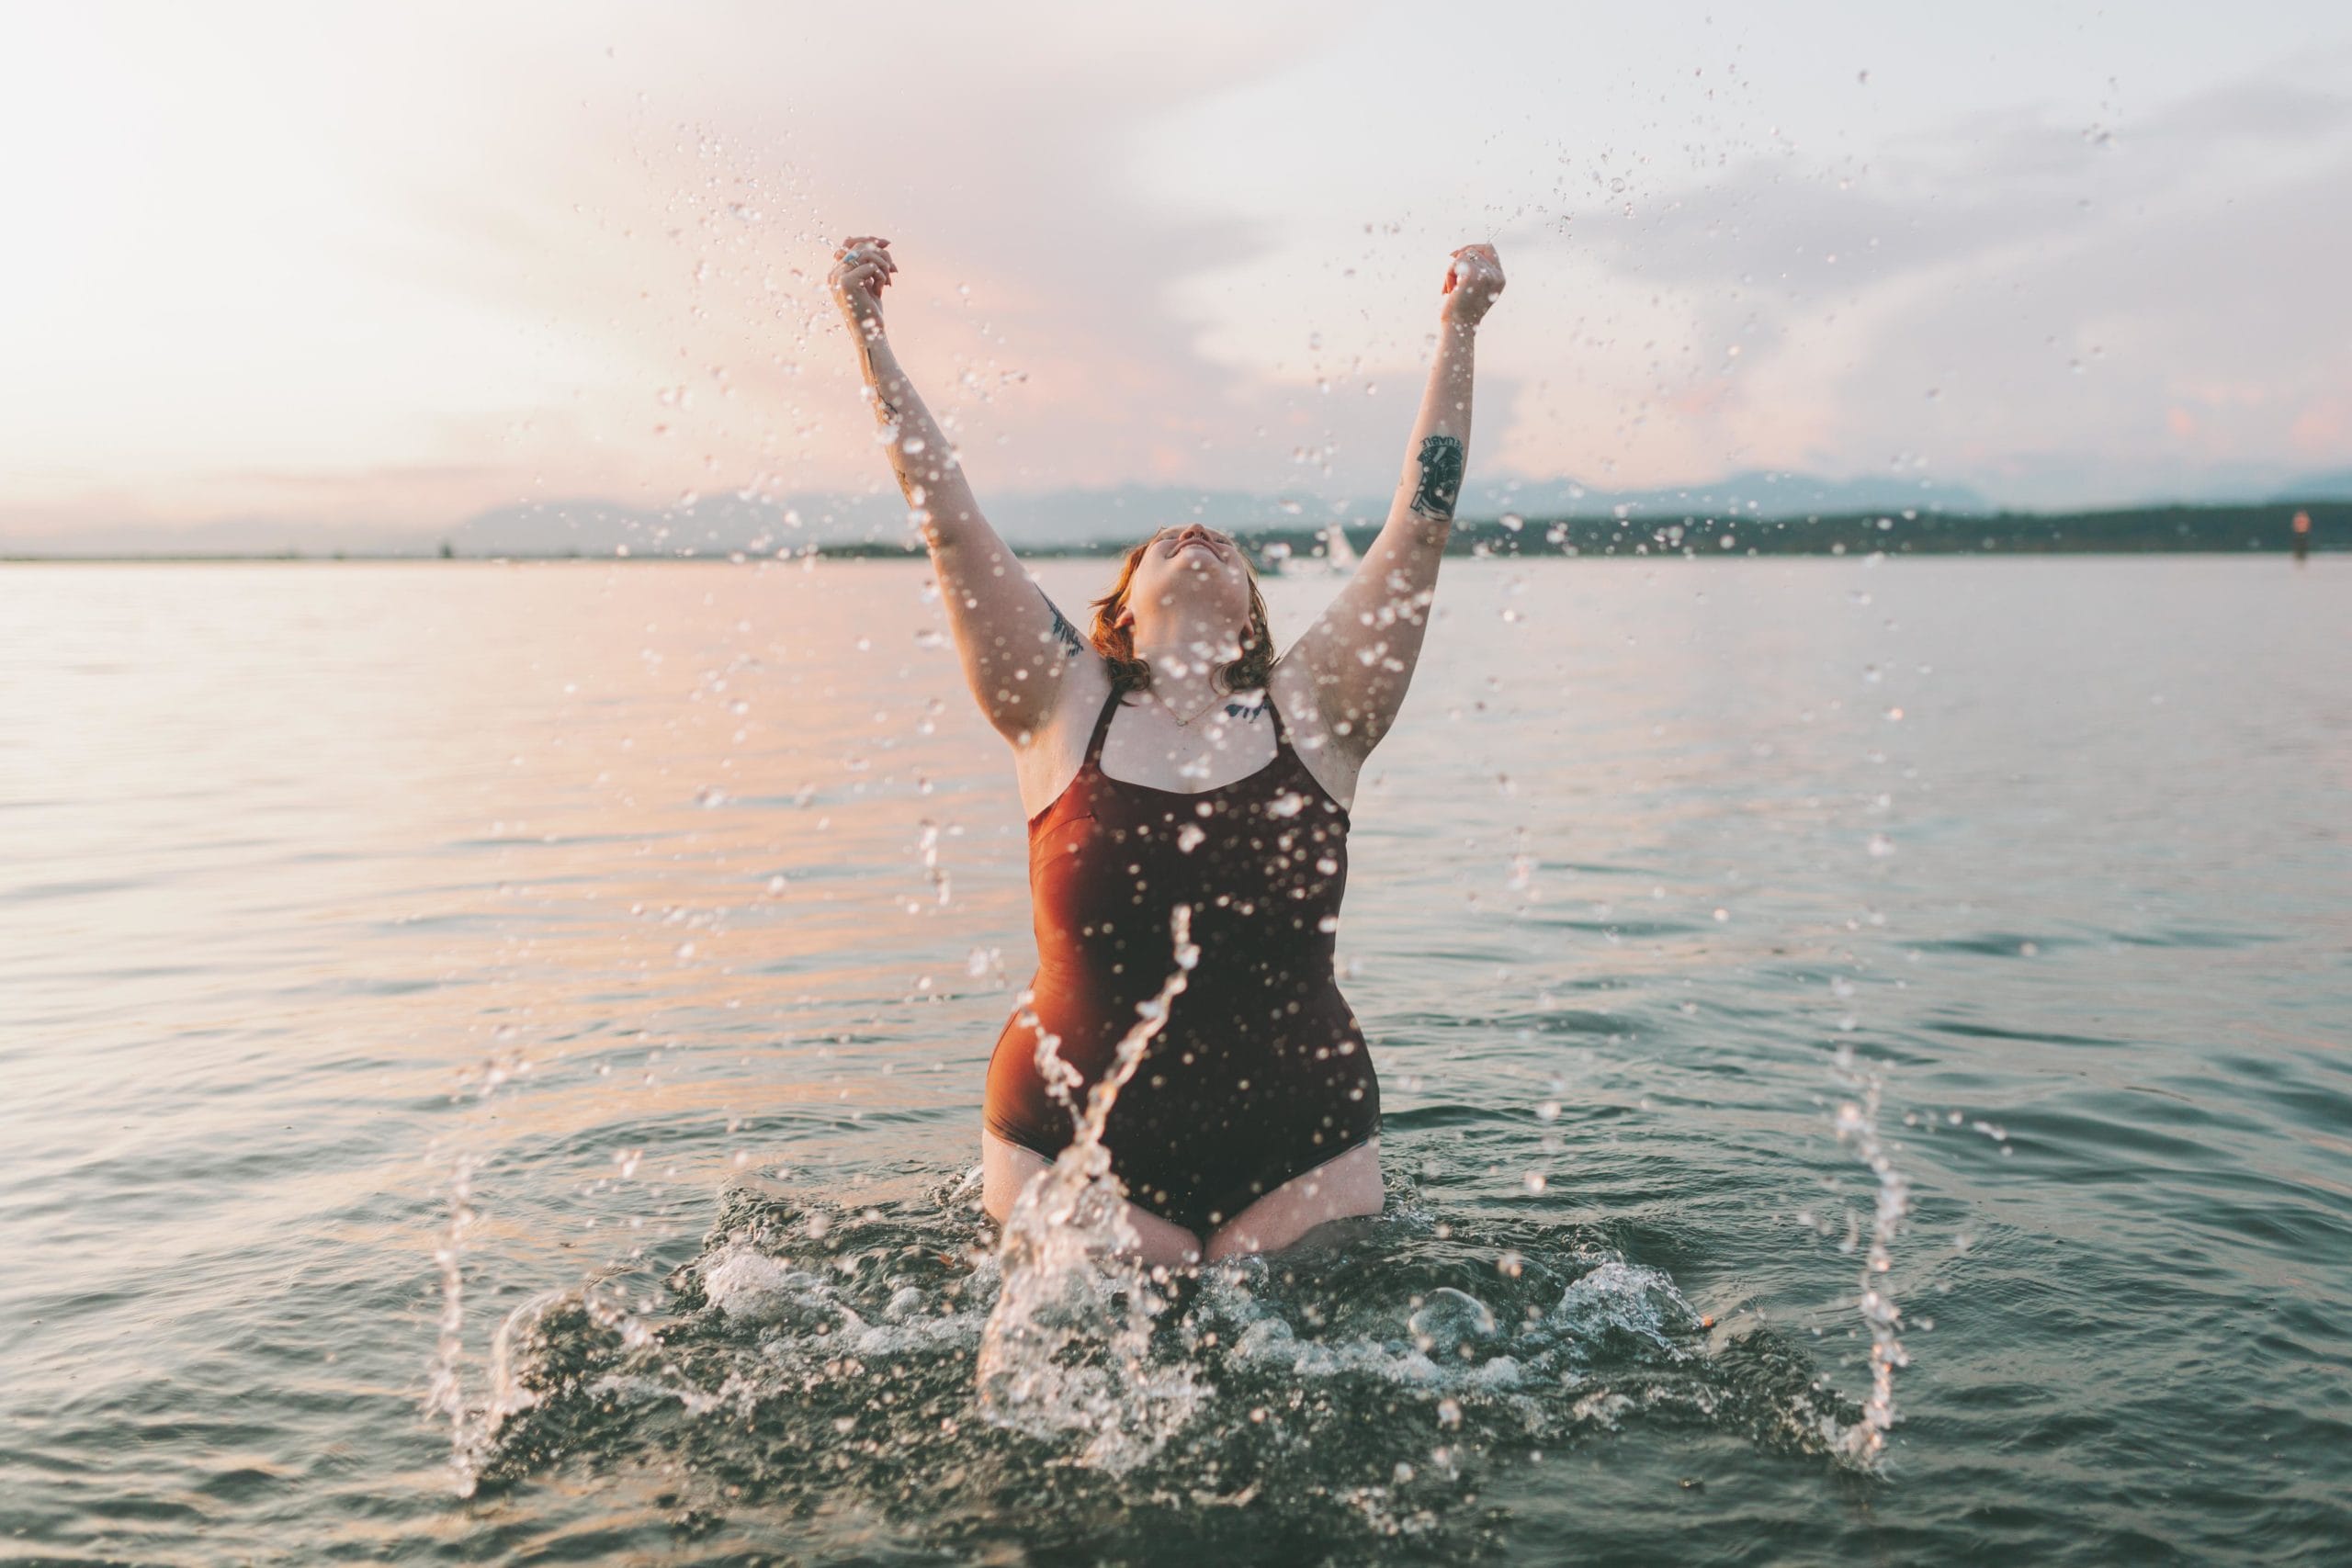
{"type": "Point", "coordinates": [1016, 646]}
{"type": "Point", "coordinates": [1361, 652]}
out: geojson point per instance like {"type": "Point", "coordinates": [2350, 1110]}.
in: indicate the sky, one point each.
{"type": "Point", "coordinates": [391, 267]}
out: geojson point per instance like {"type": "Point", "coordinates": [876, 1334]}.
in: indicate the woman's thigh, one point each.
{"type": "Point", "coordinates": [1007, 1169]}
{"type": "Point", "coordinates": [1342, 1187]}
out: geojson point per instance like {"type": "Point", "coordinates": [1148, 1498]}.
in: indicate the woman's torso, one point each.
{"type": "Point", "coordinates": [1261, 1071]}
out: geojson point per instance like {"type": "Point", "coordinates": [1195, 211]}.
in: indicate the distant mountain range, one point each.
{"type": "Point", "coordinates": [726, 522]}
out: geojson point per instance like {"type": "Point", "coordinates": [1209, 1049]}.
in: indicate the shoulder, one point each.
{"type": "Point", "coordinates": [1294, 685]}
{"type": "Point", "coordinates": [1084, 691]}
{"type": "Point", "coordinates": [1046, 759]}
{"type": "Point", "coordinates": [1293, 688]}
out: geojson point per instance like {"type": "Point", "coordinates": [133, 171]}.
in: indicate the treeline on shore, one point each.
{"type": "Point", "coordinates": [2234, 529]}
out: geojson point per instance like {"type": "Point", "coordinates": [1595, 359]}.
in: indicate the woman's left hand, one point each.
{"type": "Point", "coordinates": [1472, 284]}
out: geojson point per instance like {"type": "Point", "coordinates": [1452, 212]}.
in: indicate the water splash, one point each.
{"type": "Point", "coordinates": [817, 1360]}
{"type": "Point", "coordinates": [1067, 1348]}
{"type": "Point", "coordinates": [445, 1391]}
{"type": "Point", "coordinates": [1864, 1442]}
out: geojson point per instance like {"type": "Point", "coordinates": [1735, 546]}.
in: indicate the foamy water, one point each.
{"type": "Point", "coordinates": [494, 1055]}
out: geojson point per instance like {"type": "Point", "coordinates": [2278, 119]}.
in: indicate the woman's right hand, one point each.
{"type": "Point", "coordinates": [862, 269]}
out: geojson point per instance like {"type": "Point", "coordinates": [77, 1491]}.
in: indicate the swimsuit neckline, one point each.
{"type": "Point", "coordinates": [1109, 777]}
{"type": "Point", "coordinates": [1282, 748]}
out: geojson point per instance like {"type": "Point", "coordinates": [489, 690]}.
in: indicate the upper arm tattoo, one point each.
{"type": "Point", "coordinates": [1440, 476]}
{"type": "Point", "coordinates": [1063, 633]}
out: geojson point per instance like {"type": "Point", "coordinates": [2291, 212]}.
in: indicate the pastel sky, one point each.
{"type": "Point", "coordinates": [391, 265]}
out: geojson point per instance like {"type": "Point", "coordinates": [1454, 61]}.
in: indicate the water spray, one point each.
{"type": "Point", "coordinates": [1865, 1441]}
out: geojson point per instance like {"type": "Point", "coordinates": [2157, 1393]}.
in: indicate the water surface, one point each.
{"type": "Point", "coordinates": [612, 953]}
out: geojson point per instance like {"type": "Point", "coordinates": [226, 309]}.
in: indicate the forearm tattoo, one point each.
{"type": "Point", "coordinates": [1441, 477]}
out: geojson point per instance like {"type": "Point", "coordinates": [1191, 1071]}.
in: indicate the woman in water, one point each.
{"type": "Point", "coordinates": [1166, 758]}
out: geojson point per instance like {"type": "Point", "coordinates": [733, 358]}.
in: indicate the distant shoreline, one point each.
{"type": "Point", "coordinates": [2248, 529]}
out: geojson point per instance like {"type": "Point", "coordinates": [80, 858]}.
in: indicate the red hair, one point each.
{"type": "Point", "coordinates": [1116, 643]}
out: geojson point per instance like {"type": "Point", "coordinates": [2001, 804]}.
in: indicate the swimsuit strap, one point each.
{"type": "Point", "coordinates": [1282, 734]}
{"type": "Point", "coordinates": [1102, 728]}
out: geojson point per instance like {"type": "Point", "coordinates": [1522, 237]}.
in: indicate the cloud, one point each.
{"type": "Point", "coordinates": [2074, 314]}
{"type": "Point", "coordinates": [471, 259]}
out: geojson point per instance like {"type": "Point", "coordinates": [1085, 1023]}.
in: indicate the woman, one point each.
{"type": "Point", "coordinates": [1169, 758]}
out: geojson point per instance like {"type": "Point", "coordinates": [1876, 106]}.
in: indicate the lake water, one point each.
{"type": "Point", "coordinates": [611, 952]}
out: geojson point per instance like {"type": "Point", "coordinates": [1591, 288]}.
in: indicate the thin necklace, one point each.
{"type": "Point", "coordinates": [1187, 723]}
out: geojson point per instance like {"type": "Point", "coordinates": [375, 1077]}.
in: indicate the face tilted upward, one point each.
{"type": "Point", "coordinates": [1193, 576]}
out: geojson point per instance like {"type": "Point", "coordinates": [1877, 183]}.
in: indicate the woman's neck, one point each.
{"type": "Point", "coordinates": [1183, 670]}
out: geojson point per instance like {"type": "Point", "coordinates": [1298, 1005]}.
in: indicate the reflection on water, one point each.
{"type": "Point", "coordinates": [677, 907]}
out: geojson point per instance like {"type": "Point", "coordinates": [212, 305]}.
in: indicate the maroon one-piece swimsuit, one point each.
{"type": "Point", "coordinates": [1261, 1073]}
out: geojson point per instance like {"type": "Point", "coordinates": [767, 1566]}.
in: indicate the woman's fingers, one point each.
{"type": "Point", "coordinates": [1477, 273]}
{"type": "Point", "coordinates": [870, 266]}
{"type": "Point", "coordinates": [863, 274]}
{"type": "Point", "coordinates": [1475, 263]}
